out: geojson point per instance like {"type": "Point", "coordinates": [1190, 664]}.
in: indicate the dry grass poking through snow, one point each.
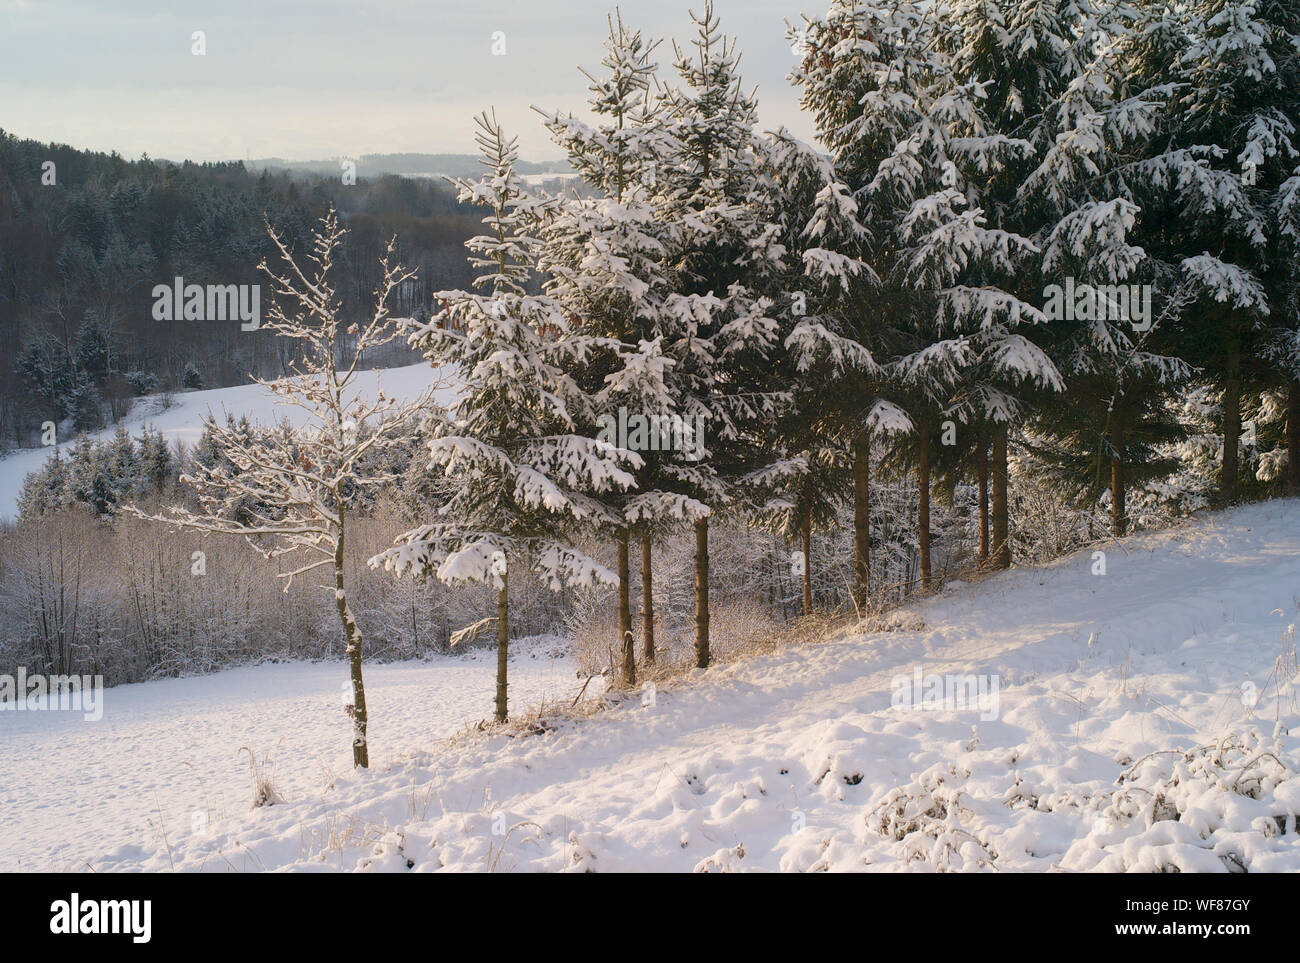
{"type": "Point", "coordinates": [1123, 738]}
{"type": "Point", "coordinates": [739, 630]}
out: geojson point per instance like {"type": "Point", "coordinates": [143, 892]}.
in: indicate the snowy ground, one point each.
{"type": "Point", "coordinates": [71, 790]}
{"type": "Point", "coordinates": [183, 421]}
{"type": "Point", "coordinates": [791, 761]}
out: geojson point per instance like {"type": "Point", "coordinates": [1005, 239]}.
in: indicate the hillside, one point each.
{"type": "Point", "coordinates": [796, 761]}
{"type": "Point", "coordinates": [172, 749]}
{"type": "Point", "coordinates": [180, 418]}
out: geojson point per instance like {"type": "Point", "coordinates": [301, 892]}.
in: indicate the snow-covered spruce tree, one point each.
{"type": "Point", "coordinates": [980, 262]}
{"type": "Point", "coordinates": [157, 464]}
{"type": "Point", "coordinates": [726, 258]}
{"type": "Point", "coordinates": [1125, 151]}
{"type": "Point", "coordinates": [289, 492]}
{"type": "Point", "coordinates": [1094, 132]}
{"type": "Point", "coordinates": [524, 475]}
{"type": "Point", "coordinates": [918, 147]}
{"type": "Point", "coordinates": [1260, 106]}
{"type": "Point", "coordinates": [1229, 128]}
{"type": "Point", "coordinates": [1112, 344]}
{"type": "Point", "coordinates": [607, 268]}
{"type": "Point", "coordinates": [88, 477]}
{"type": "Point", "coordinates": [866, 74]}
{"type": "Point", "coordinates": [821, 234]}
{"type": "Point", "coordinates": [1283, 278]}
{"type": "Point", "coordinates": [1032, 66]}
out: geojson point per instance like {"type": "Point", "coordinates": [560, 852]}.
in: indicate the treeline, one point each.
{"type": "Point", "coordinates": [98, 476]}
{"type": "Point", "coordinates": [85, 588]}
{"type": "Point", "coordinates": [1050, 239]}
{"type": "Point", "coordinates": [85, 237]}
{"type": "Point", "coordinates": [1039, 287]}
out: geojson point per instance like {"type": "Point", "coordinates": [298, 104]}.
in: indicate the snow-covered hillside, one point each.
{"type": "Point", "coordinates": [1173, 673]}
{"type": "Point", "coordinates": [183, 420]}
{"type": "Point", "coordinates": [169, 752]}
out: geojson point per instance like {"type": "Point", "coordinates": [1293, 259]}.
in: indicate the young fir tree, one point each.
{"type": "Point", "coordinates": [1229, 126]}
{"type": "Point", "coordinates": [726, 258]}
{"type": "Point", "coordinates": [525, 474]}
{"type": "Point", "coordinates": [863, 76]}
{"type": "Point", "coordinates": [607, 266]}
{"type": "Point", "coordinates": [45, 491]}
{"type": "Point", "coordinates": [808, 504]}
{"type": "Point", "coordinates": [123, 463]}
{"type": "Point", "coordinates": [289, 493]}
{"type": "Point", "coordinates": [157, 466]}
{"type": "Point", "coordinates": [819, 230]}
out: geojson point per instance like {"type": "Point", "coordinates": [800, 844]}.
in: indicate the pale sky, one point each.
{"type": "Point", "coordinates": [315, 79]}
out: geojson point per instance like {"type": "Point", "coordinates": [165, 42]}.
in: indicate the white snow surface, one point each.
{"type": "Point", "coordinates": [791, 761]}
{"type": "Point", "coordinates": [183, 421]}
{"type": "Point", "coordinates": [166, 751]}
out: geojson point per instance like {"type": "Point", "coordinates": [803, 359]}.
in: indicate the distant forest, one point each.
{"type": "Point", "coordinates": [412, 165]}
{"type": "Point", "coordinates": [79, 259]}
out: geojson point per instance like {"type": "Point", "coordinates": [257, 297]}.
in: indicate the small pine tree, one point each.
{"type": "Point", "coordinates": [192, 378]}
{"type": "Point", "coordinates": [157, 467]}
{"type": "Point", "coordinates": [45, 491]}
{"type": "Point", "coordinates": [86, 407]}
{"type": "Point", "coordinates": [727, 267]}
{"type": "Point", "coordinates": [524, 475]}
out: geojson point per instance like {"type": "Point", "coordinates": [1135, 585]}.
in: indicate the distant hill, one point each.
{"type": "Point", "coordinates": [79, 260]}
{"type": "Point", "coordinates": [406, 165]}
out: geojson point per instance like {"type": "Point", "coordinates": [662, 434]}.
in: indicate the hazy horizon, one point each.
{"type": "Point", "coordinates": [304, 81]}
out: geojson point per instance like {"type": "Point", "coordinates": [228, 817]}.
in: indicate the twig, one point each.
{"type": "Point", "coordinates": [583, 690]}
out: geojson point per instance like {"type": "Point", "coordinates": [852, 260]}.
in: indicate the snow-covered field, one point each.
{"type": "Point", "coordinates": [167, 754]}
{"type": "Point", "coordinates": [789, 761]}
{"type": "Point", "coordinates": [183, 420]}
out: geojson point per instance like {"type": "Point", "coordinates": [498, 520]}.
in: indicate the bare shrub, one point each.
{"type": "Point", "coordinates": [262, 772]}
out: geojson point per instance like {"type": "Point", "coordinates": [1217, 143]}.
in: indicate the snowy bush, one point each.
{"type": "Point", "coordinates": [932, 820]}
{"type": "Point", "coordinates": [142, 382]}
{"type": "Point", "coordinates": [192, 378]}
{"type": "Point", "coordinates": [1228, 805]}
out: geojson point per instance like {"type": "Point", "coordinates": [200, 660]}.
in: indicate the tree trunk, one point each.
{"type": "Point", "coordinates": [923, 507]}
{"type": "Point", "coordinates": [625, 611]}
{"type": "Point", "coordinates": [1118, 515]}
{"type": "Point", "coordinates": [1293, 437]}
{"type": "Point", "coordinates": [1231, 425]}
{"type": "Point", "coordinates": [360, 749]}
{"type": "Point", "coordinates": [982, 471]}
{"type": "Point", "coordinates": [861, 519]}
{"type": "Point", "coordinates": [503, 644]}
{"type": "Point", "coordinates": [647, 602]}
{"type": "Point", "coordinates": [702, 593]}
{"type": "Point", "coordinates": [806, 534]}
{"type": "Point", "coordinates": [1001, 535]}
